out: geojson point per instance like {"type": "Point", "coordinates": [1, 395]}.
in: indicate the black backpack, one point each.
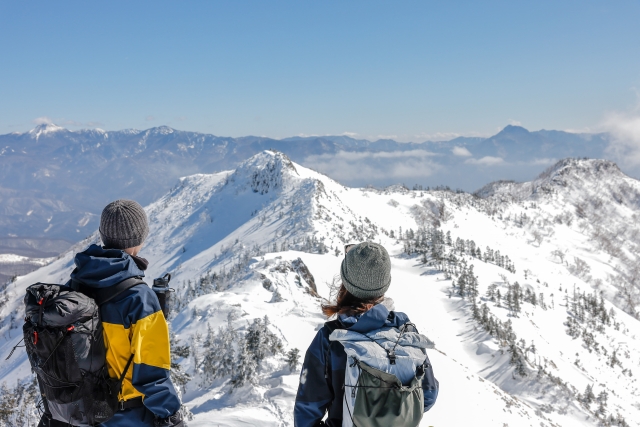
{"type": "Point", "coordinates": [64, 340]}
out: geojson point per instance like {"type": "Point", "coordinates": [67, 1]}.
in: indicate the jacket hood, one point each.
{"type": "Point", "coordinates": [377, 317]}
{"type": "Point", "coordinates": [97, 267]}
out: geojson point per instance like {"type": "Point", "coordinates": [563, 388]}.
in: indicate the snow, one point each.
{"type": "Point", "coordinates": [251, 224]}
{"type": "Point", "coordinates": [44, 129]}
{"type": "Point", "coordinates": [12, 258]}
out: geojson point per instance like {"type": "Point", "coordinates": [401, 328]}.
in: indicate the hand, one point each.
{"type": "Point", "coordinates": [174, 420]}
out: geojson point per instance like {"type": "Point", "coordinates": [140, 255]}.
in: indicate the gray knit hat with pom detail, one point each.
{"type": "Point", "coordinates": [123, 225]}
{"type": "Point", "coordinates": [366, 271]}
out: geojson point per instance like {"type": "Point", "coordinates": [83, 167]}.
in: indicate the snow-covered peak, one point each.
{"type": "Point", "coordinates": [95, 131]}
{"type": "Point", "coordinates": [43, 129]}
{"type": "Point", "coordinates": [161, 130]}
{"type": "Point", "coordinates": [565, 174]}
{"type": "Point", "coordinates": [265, 172]}
{"type": "Point", "coordinates": [582, 168]}
{"type": "Point", "coordinates": [206, 213]}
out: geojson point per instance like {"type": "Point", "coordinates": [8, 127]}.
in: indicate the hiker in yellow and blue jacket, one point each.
{"type": "Point", "coordinates": [133, 321]}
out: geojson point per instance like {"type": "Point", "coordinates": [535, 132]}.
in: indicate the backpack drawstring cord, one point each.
{"type": "Point", "coordinates": [66, 332]}
{"type": "Point", "coordinates": [14, 349]}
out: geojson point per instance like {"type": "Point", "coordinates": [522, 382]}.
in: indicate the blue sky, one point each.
{"type": "Point", "coordinates": [407, 70]}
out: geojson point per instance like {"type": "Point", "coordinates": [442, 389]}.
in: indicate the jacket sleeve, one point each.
{"type": "Point", "coordinates": [430, 386]}
{"type": "Point", "coordinates": [314, 390]}
{"type": "Point", "coordinates": [152, 360]}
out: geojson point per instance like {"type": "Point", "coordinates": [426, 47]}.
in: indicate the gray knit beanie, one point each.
{"type": "Point", "coordinates": [366, 271]}
{"type": "Point", "coordinates": [123, 225]}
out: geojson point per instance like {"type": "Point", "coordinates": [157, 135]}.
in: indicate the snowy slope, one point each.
{"type": "Point", "coordinates": [267, 239]}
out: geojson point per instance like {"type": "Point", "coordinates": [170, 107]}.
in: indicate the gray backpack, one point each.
{"type": "Point", "coordinates": [64, 341]}
{"type": "Point", "coordinates": [383, 376]}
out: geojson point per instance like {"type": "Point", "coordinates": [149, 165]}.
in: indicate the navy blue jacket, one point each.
{"type": "Point", "coordinates": [318, 395]}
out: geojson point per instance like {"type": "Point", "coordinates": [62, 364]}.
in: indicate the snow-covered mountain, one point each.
{"type": "Point", "coordinates": [54, 182]}
{"type": "Point", "coordinates": [528, 290]}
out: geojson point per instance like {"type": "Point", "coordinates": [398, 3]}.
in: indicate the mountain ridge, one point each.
{"type": "Point", "coordinates": [556, 175]}
{"type": "Point", "coordinates": [510, 130]}
{"type": "Point", "coordinates": [54, 182]}
{"type": "Point", "coordinates": [236, 242]}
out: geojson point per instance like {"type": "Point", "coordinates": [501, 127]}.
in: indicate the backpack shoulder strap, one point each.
{"type": "Point", "coordinates": [410, 326]}
{"type": "Point", "coordinates": [124, 372]}
{"type": "Point", "coordinates": [331, 326]}
{"type": "Point", "coordinates": [102, 296]}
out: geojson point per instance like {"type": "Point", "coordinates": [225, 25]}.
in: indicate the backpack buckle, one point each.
{"type": "Point", "coordinates": [121, 405]}
{"type": "Point", "coordinates": [392, 356]}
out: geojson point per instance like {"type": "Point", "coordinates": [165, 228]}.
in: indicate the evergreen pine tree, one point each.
{"type": "Point", "coordinates": [613, 361]}
{"type": "Point", "coordinates": [293, 359]}
{"type": "Point", "coordinates": [246, 368]}
{"type": "Point", "coordinates": [603, 397]}
{"type": "Point", "coordinates": [588, 397]}
{"type": "Point", "coordinates": [179, 377]}
{"type": "Point", "coordinates": [462, 284]}
{"type": "Point", "coordinates": [8, 404]}
{"type": "Point", "coordinates": [517, 358]}
{"type": "Point", "coordinates": [602, 410]}
{"type": "Point", "coordinates": [476, 312]}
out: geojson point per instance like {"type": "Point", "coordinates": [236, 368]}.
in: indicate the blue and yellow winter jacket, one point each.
{"type": "Point", "coordinates": [133, 324]}
{"type": "Point", "coordinates": [318, 395]}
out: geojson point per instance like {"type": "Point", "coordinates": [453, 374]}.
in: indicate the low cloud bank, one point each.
{"type": "Point", "coordinates": [44, 120]}
{"type": "Point", "coordinates": [624, 128]}
{"type": "Point", "coordinates": [461, 152]}
{"type": "Point", "coordinates": [375, 166]}
{"type": "Point", "coordinates": [486, 161]}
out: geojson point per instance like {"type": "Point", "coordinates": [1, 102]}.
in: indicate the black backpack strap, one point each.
{"type": "Point", "coordinates": [104, 295]}
{"type": "Point", "coordinates": [331, 326]}
{"type": "Point", "coordinates": [126, 368]}
{"type": "Point", "coordinates": [131, 403]}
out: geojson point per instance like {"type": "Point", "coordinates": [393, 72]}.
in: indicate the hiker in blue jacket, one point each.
{"type": "Point", "coordinates": [360, 307]}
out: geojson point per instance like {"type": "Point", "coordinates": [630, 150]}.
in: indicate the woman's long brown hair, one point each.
{"type": "Point", "coordinates": [348, 304]}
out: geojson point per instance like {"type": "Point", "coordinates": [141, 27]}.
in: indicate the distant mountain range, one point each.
{"type": "Point", "coordinates": [54, 182]}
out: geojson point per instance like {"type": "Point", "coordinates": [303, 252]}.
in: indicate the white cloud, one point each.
{"type": "Point", "coordinates": [625, 132]}
{"type": "Point", "coordinates": [486, 161]}
{"type": "Point", "coordinates": [370, 166]}
{"type": "Point", "coordinates": [583, 130]}
{"type": "Point", "coordinates": [461, 152]}
{"type": "Point", "coordinates": [543, 162]}
{"type": "Point", "coordinates": [150, 118]}
{"type": "Point", "coordinates": [67, 122]}
{"type": "Point", "coordinates": [415, 138]}
{"type": "Point", "coordinates": [439, 136]}
{"type": "Point", "coordinates": [370, 155]}
{"type": "Point", "coordinates": [44, 120]}
{"type": "Point", "coordinates": [515, 122]}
